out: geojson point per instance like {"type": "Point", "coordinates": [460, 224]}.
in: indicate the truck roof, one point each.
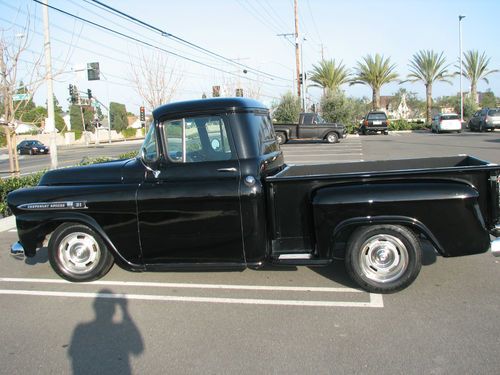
{"type": "Point", "coordinates": [205, 105]}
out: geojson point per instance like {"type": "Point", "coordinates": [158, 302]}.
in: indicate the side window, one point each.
{"type": "Point", "coordinates": [197, 139]}
{"type": "Point", "coordinates": [150, 145]}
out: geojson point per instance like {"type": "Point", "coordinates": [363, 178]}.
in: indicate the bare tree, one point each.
{"type": "Point", "coordinates": [15, 65]}
{"type": "Point", "coordinates": [154, 80]}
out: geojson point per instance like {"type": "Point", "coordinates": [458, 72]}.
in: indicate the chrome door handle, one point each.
{"type": "Point", "coordinates": [227, 170]}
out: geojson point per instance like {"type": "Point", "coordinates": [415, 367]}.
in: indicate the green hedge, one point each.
{"type": "Point", "coordinates": [129, 132]}
{"type": "Point", "coordinates": [10, 184]}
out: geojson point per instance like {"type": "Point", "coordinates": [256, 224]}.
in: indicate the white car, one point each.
{"type": "Point", "coordinates": [446, 122]}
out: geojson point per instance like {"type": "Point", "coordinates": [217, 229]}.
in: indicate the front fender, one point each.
{"type": "Point", "coordinates": [33, 227]}
{"type": "Point", "coordinates": [447, 212]}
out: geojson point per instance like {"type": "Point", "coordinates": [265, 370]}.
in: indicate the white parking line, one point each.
{"type": "Point", "coordinates": [376, 300]}
{"type": "Point", "coordinates": [186, 285]}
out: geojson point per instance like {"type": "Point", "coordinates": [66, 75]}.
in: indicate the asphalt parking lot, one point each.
{"type": "Point", "coordinates": [277, 320]}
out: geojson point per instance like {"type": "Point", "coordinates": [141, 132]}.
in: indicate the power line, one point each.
{"type": "Point", "coordinates": [149, 44]}
{"type": "Point", "coordinates": [184, 41]}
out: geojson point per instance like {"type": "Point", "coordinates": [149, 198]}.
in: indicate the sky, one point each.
{"type": "Point", "coordinates": [246, 32]}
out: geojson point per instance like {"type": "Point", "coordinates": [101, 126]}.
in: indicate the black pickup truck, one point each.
{"type": "Point", "coordinates": [311, 126]}
{"type": "Point", "coordinates": [210, 190]}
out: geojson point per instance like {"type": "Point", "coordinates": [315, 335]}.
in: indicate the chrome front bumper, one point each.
{"type": "Point", "coordinates": [17, 249]}
{"type": "Point", "coordinates": [495, 244]}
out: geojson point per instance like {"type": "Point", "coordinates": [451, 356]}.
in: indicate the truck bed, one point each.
{"type": "Point", "coordinates": [382, 167]}
{"type": "Point", "coordinates": [292, 190]}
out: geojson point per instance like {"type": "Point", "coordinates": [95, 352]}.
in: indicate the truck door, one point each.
{"type": "Point", "coordinates": [190, 212]}
{"type": "Point", "coordinates": [308, 128]}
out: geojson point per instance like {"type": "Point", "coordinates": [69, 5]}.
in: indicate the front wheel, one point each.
{"type": "Point", "coordinates": [77, 253]}
{"type": "Point", "coordinates": [383, 258]}
{"type": "Point", "coordinates": [332, 138]}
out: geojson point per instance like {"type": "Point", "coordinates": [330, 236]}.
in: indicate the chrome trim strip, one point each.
{"type": "Point", "coordinates": [64, 205]}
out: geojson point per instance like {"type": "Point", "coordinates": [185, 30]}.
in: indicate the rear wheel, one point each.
{"type": "Point", "coordinates": [383, 258]}
{"type": "Point", "coordinates": [77, 253]}
{"type": "Point", "coordinates": [332, 137]}
{"type": "Point", "coordinates": [281, 138]}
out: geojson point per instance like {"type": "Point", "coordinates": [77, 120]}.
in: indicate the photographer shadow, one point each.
{"type": "Point", "coordinates": [105, 345]}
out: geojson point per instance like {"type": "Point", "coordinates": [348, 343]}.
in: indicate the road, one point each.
{"type": "Point", "coordinates": [276, 320]}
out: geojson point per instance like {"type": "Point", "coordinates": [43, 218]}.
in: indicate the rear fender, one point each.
{"type": "Point", "coordinates": [447, 212]}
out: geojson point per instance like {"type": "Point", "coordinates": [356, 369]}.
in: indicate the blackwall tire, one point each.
{"type": "Point", "coordinates": [78, 254]}
{"type": "Point", "coordinates": [383, 258]}
{"type": "Point", "coordinates": [332, 137]}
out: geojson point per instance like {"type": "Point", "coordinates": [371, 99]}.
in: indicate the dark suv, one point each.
{"type": "Point", "coordinates": [373, 122]}
{"type": "Point", "coordinates": [485, 119]}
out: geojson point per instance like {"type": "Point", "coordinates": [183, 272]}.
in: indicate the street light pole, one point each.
{"type": "Point", "coordinates": [461, 67]}
{"type": "Point", "coordinates": [50, 125]}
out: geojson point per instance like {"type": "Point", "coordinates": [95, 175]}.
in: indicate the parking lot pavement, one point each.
{"type": "Point", "coordinates": [320, 152]}
{"type": "Point", "coordinates": [276, 320]}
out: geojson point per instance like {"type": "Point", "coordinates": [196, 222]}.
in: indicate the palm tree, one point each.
{"type": "Point", "coordinates": [475, 68]}
{"type": "Point", "coordinates": [375, 72]}
{"type": "Point", "coordinates": [329, 76]}
{"type": "Point", "coordinates": [427, 66]}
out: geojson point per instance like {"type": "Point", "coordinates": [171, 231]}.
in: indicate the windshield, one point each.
{"type": "Point", "coordinates": [149, 146]}
{"type": "Point", "coordinates": [494, 112]}
{"type": "Point", "coordinates": [377, 116]}
{"type": "Point", "coordinates": [449, 117]}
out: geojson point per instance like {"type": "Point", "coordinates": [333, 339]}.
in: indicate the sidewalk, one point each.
{"type": "Point", "coordinates": [7, 223]}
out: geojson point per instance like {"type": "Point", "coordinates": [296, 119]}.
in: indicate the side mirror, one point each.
{"type": "Point", "coordinates": [149, 163]}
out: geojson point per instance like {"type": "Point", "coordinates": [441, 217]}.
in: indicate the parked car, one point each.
{"type": "Point", "coordinates": [310, 126]}
{"type": "Point", "coordinates": [446, 122]}
{"type": "Point", "coordinates": [32, 147]}
{"type": "Point", "coordinates": [485, 119]}
{"type": "Point", "coordinates": [211, 190]}
{"type": "Point", "coordinates": [373, 122]}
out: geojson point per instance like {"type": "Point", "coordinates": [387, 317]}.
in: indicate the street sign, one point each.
{"type": "Point", "coordinates": [18, 97]}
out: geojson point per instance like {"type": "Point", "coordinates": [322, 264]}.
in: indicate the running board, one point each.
{"type": "Point", "coordinates": [306, 259]}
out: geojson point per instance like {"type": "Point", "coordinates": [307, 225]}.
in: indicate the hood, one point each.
{"type": "Point", "coordinates": [102, 173]}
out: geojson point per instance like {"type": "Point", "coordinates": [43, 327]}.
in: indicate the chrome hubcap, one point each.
{"type": "Point", "coordinates": [79, 252]}
{"type": "Point", "coordinates": [384, 258]}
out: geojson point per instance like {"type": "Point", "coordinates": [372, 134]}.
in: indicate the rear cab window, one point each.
{"type": "Point", "coordinates": [494, 112]}
{"type": "Point", "coordinates": [450, 117]}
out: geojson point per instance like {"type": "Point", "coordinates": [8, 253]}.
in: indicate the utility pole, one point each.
{"type": "Point", "coordinates": [461, 67]}
{"type": "Point", "coordinates": [297, 48]}
{"type": "Point", "coordinates": [50, 125]}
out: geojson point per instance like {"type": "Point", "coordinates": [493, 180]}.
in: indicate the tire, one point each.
{"type": "Point", "coordinates": [31, 152]}
{"type": "Point", "coordinates": [481, 129]}
{"type": "Point", "coordinates": [77, 253]}
{"type": "Point", "coordinates": [281, 138]}
{"type": "Point", "coordinates": [332, 137]}
{"type": "Point", "coordinates": [383, 258]}
{"type": "Point", "coordinates": [386, 132]}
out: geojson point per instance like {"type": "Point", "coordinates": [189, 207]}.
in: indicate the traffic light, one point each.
{"type": "Point", "coordinates": [89, 94]}
{"type": "Point", "coordinates": [239, 92]}
{"type": "Point", "coordinates": [93, 72]}
{"type": "Point", "coordinates": [142, 114]}
{"type": "Point", "coordinates": [301, 81]}
{"type": "Point", "coordinates": [73, 94]}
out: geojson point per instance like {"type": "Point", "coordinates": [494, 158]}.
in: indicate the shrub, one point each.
{"type": "Point", "coordinates": [129, 132]}
{"type": "Point", "coordinates": [128, 155]}
{"type": "Point", "coordinates": [288, 108]}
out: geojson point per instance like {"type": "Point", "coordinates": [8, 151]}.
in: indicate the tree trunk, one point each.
{"type": "Point", "coordinates": [428, 96]}
{"type": "Point", "coordinates": [473, 92]}
{"type": "Point", "coordinates": [375, 99]}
